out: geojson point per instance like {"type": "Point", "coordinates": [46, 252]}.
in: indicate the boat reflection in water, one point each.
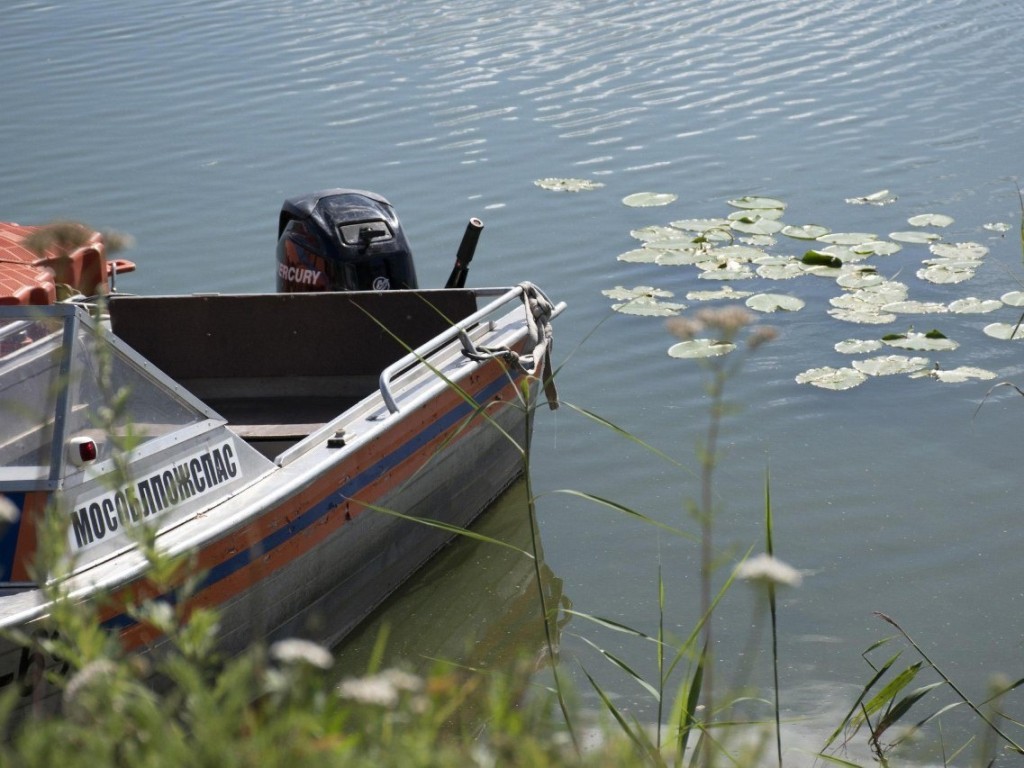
{"type": "Point", "coordinates": [476, 604]}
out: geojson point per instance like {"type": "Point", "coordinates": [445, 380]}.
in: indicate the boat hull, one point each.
{"type": "Point", "coordinates": [331, 528]}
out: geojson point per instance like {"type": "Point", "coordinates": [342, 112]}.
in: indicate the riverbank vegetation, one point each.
{"type": "Point", "coordinates": [284, 705]}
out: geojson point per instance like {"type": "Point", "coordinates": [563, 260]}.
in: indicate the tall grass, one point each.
{"type": "Point", "coordinates": [280, 706]}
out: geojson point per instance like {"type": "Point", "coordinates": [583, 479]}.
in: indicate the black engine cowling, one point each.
{"type": "Point", "coordinates": [342, 240]}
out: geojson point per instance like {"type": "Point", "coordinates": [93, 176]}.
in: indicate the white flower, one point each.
{"type": "Point", "coordinates": [295, 650]}
{"type": "Point", "coordinates": [9, 511]}
{"type": "Point", "coordinates": [98, 672]}
{"type": "Point", "coordinates": [370, 690]}
{"type": "Point", "coordinates": [382, 689]}
{"type": "Point", "coordinates": [765, 569]}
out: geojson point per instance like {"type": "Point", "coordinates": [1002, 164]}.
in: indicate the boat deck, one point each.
{"type": "Point", "coordinates": [274, 367]}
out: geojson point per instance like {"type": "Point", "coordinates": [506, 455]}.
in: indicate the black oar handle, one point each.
{"type": "Point", "coordinates": [467, 248]}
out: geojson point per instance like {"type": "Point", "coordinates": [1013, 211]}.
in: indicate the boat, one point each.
{"type": "Point", "coordinates": [304, 451]}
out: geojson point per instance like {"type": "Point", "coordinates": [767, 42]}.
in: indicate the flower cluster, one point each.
{"type": "Point", "coordinates": [725, 323]}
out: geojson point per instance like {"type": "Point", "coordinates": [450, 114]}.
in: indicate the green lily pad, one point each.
{"type": "Point", "coordinates": [781, 271]}
{"type": "Point", "coordinates": [1005, 331]}
{"type": "Point", "coordinates": [821, 259]}
{"type": "Point", "coordinates": [922, 342]}
{"type": "Point", "coordinates": [758, 241]}
{"type": "Point", "coordinates": [858, 346]}
{"type": "Point", "coordinates": [915, 307]}
{"type": "Point", "coordinates": [679, 257]}
{"type": "Point", "coordinates": [726, 292]}
{"type": "Point", "coordinates": [649, 306]}
{"type": "Point", "coordinates": [848, 238]}
{"type": "Point", "coordinates": [955, 375]}
{"type": "Point", "coordinates": [885, 292]}
{"type": "Point", "coordinates": [640, 256]}
{"type": "Point", "coordinates": [753, 201]}
{"type": "Point", "coordinates": [698, 348]}
{"type": "Point", "coordinates": [772, 302]}
{"type": "Point", "coordinates": [876, 248]}
{"type": "Point", "coordinates": [700, 225]}
{"type": "Point", "coordinates": [960, 251]}
{"type": "Point", "coordinates": [914, 237]}
{"type": "Point", "coordinates": [881, 197]}
{"type": "Point", "coordinates": [655, 234]}
{"type": "Point", "coordinates": [930, 220]}
{"type": "Point", "coordinates": [971, 305]}
{"type": "Point", "coordinates": [1013, 298]}
{"type": "Point", "coordinates": [890, 365]}
{"type": "Point", "coordinates": [996, 226]}
{"type": "Point", "coordinates": [750, 214]}
{"type": "Point", "coordinates": [945, 274]}
{"type": "Point", "coordinates": [719, 271]}
{"type": "Point", "coordinates": [759, 226]}
{"type": "Point", "coordinates": [649, 199]}
{"type": "Point", "coordinates": [873, 316]}
{"type": "Point", "coordinates": [618, 292]}
{"type": "Point", "coordinates": [805, 231]}
{"type": "Point", "coordinates": [568, 185]}
{"type": "Point", "coordinates": [859, 279]}
{"type": "Point", "coordinates": [832, 378]}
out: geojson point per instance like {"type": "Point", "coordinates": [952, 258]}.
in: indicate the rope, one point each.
{"type": "Point", "coordinates": [537, 362]}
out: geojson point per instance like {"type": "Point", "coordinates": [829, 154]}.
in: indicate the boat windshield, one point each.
{"type": "Point", "coordinates": [63, 380]}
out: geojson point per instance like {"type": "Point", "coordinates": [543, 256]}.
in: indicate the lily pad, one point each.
{"type": "Point", "coordinates": [881, 197]}
{"type": "Point", "coordinates": [640, 256]}
{"type": "Point", "coordinates": [859, 279]}
{"type": "Point", "coordinates": [805, 231]}
{"type": "Point", "coordinates": [921, 342]}
{"type": "Point", "coordinates": [955, 375]}
{"type": "Point", "coordinates": [865, 316]}
{"type": "Point", "coordinates": [1005, 331]}
{"type": "Point", "coordinates": [821, 259]}
{"type": "Point", "coordinates": [945, 274]}
{"type": "Point", "coordinates": [737, 252]}
{"type": "Point", "coordinates": [750, 214]}
{"type": "Point", "coordinates": [718, 271]}
{"type": "Point", "coordinates": [655, 234]}
{"type": "Point", "coordinates": [876, 248]}
{"type": "Point", "coordinates": [971, 305]}
{"type": "Point", "coordinates": [1013, 298]}
{"type": "Point", "coordinates": [697, 348]}
{"type": "Point", "coordinates": [884, 292]}
{"type": "Point", "coordinates": [963, 251]}
{"type": "Point", "coordinates": [568, 185]}
{"type": "Point", "coordinates": [618, 292]}
{"type": "Point", "coordinates": [930, 220]}
{"type": "Point", "coordinates": [914, 237]}
{"type": "Point", "coordinates": [915, 307]}
{"type": "Point", "coordinates": [726, 292]}
{"type": "Point", "coordinates": [858, 346]}
{"type": "Point", "coordinates": [649, 199]}
{"type": "Point", "coordinates": [781, 271]}
{"type": "Point", "coordinates": [680, 257]}
{"type": "Point", "coordinates": [890, 365]}
{"type": "Point", "coordinates": [649, 306]}
{"type": "Point", "coordinates": [996, 226]}
{"type": "Point", "coordinates": [753, 201]}
{"type": "Point", "coordinates": [832, 378]}
{"type": "Point", "coordinates": [759, 226]}
{"type": "Point", "coordinates": [700, 225]}
{"type": "Point", "coordinates": [772, 302]}
{"type": "Point", "coordinates": [848, 238]}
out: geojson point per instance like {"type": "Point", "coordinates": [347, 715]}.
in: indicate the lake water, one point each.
{"type": "Point", "coordinates": [186, 124]}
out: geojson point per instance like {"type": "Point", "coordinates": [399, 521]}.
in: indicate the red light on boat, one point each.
{"type": "Point", "coordinates": [83, 451]}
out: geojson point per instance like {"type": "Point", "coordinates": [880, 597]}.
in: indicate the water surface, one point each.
{"type": "Point", "coordinates": [187, 124]}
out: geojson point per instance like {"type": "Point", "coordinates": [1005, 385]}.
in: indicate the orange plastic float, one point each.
{"type": "Point", "coordinates": [27, 278]}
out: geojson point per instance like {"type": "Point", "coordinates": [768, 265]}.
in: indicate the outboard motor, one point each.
{"type": "Point", "coordinates": [342, 240]}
